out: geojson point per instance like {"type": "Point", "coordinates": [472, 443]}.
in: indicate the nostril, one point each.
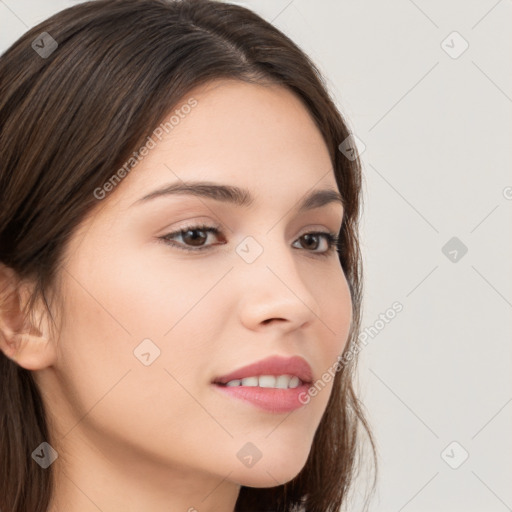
{"type": "Point", "coordinates": [268, 320]}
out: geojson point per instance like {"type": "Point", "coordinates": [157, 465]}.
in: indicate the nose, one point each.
{"type": "Point", "coordinates": [274, 290]}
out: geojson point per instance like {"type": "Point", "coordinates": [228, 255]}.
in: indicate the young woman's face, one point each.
{"type": "Point", "coordinates": [148, 325]}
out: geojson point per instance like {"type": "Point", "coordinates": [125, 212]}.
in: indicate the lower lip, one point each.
{"type": "Point", "coordinates": [269, 399]}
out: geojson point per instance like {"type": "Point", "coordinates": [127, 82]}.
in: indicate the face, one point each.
{"type": "Point", "coordinates": [155, 308]}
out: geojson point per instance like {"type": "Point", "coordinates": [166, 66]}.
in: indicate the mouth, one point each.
{"type": "Point", "coordinates": [275, 384]}
{"type": "Point", "coordinates": [265, 381]}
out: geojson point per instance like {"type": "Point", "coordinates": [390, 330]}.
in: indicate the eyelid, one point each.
{"type": "Point", "coordinates": [332, 238]}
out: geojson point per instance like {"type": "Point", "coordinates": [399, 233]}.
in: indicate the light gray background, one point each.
{"type": "Point", "coordinates": [437, 164]}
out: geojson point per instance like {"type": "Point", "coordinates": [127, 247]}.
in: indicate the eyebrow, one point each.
{"type": "Point", "coordinates": [238, 196]}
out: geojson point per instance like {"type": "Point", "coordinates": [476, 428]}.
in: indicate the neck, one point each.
{"type": "Point", "coordinates": [91, 477]}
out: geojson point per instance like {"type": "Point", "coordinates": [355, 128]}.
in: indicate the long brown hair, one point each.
{"type": "Point", "coordinates": [71, 117]}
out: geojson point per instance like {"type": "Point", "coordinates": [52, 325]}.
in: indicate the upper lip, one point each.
{"type": "Point", "coordinates": [275, 365]}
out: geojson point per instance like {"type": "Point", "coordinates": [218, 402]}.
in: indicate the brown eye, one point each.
{"type": "Point", "coordinates": [193, 237]}
{"type": "Point", "coordinates": [190, 237]}
{"type": "Point", "coordinates": [312, 241]}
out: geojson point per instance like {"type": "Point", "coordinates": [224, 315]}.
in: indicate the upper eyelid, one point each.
{"type": "Point", "coordinates": [216, 230]}
{"type": "Point", "coordinates": [208, 223]}
{"type": "Point", "coordinates": [220, 229]}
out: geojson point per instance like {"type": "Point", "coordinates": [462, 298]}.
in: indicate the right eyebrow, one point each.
{"type": "Point", "coordinates": [238, 196]}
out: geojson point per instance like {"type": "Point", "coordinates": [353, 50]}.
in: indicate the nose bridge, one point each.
{"type": "Point", "coordinates": [274, 285]}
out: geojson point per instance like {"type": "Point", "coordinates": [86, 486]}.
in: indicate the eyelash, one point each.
{"type": "Point", "coordinates": [333, 239]}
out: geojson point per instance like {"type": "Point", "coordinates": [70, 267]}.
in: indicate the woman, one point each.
{"type": "Point", "coordinates": [179, 266]}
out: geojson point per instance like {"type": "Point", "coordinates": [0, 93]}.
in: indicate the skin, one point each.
{"type": "Point", "coordinates": [132, 437]}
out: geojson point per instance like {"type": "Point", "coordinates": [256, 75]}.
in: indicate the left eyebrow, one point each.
{"type": "Point", "coordinates": [238, 196]}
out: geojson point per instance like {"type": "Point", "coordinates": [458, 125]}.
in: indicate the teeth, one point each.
{"type": "Point", "coordinates": [282, 382]}
{"type": "Point", "coordinates": [267, 381]}
{"type": "Point", "coordinates": [250, 381]}
{"type": "Point", "coordinates": [294, 382]}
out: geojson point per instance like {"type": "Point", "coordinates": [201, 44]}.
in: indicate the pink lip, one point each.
{"type": "Point", "coordinates": [270, 399]}
{"type": "Point", "coordinates": [272, 366]}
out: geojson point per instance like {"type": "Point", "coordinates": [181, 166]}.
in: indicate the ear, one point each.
{"type": "Point", "coordinates": [25, 341]}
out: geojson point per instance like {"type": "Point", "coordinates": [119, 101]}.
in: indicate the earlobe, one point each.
{"type": "Point", "coordinates": [20, 339]}
{"type": "Point", "coordinates": [32, 352]}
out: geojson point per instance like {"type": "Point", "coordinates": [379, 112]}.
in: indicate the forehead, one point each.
{"type": "Point", "coordinates": [259, 137]}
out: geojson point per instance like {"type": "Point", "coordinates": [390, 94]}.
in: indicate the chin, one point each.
{"type": "Point", "coordinates": [272, 473]}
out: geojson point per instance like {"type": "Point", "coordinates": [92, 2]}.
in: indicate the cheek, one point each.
{"type": "Point", "coordinates": [338, 319]}
{"type": "Point", "coordinates": [139, 294]}
{"type": "Point", "coordinates": [332, 293]}
{"type": "Point", "coordinates": [336, 305]}
{"type": "Point", "coordinates": [114, 305]}
{"type": "Point", "coordinates": [105, 385]}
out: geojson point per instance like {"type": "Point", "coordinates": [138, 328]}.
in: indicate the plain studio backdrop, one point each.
{"type": "Point", "coordinates": [426, 86]}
